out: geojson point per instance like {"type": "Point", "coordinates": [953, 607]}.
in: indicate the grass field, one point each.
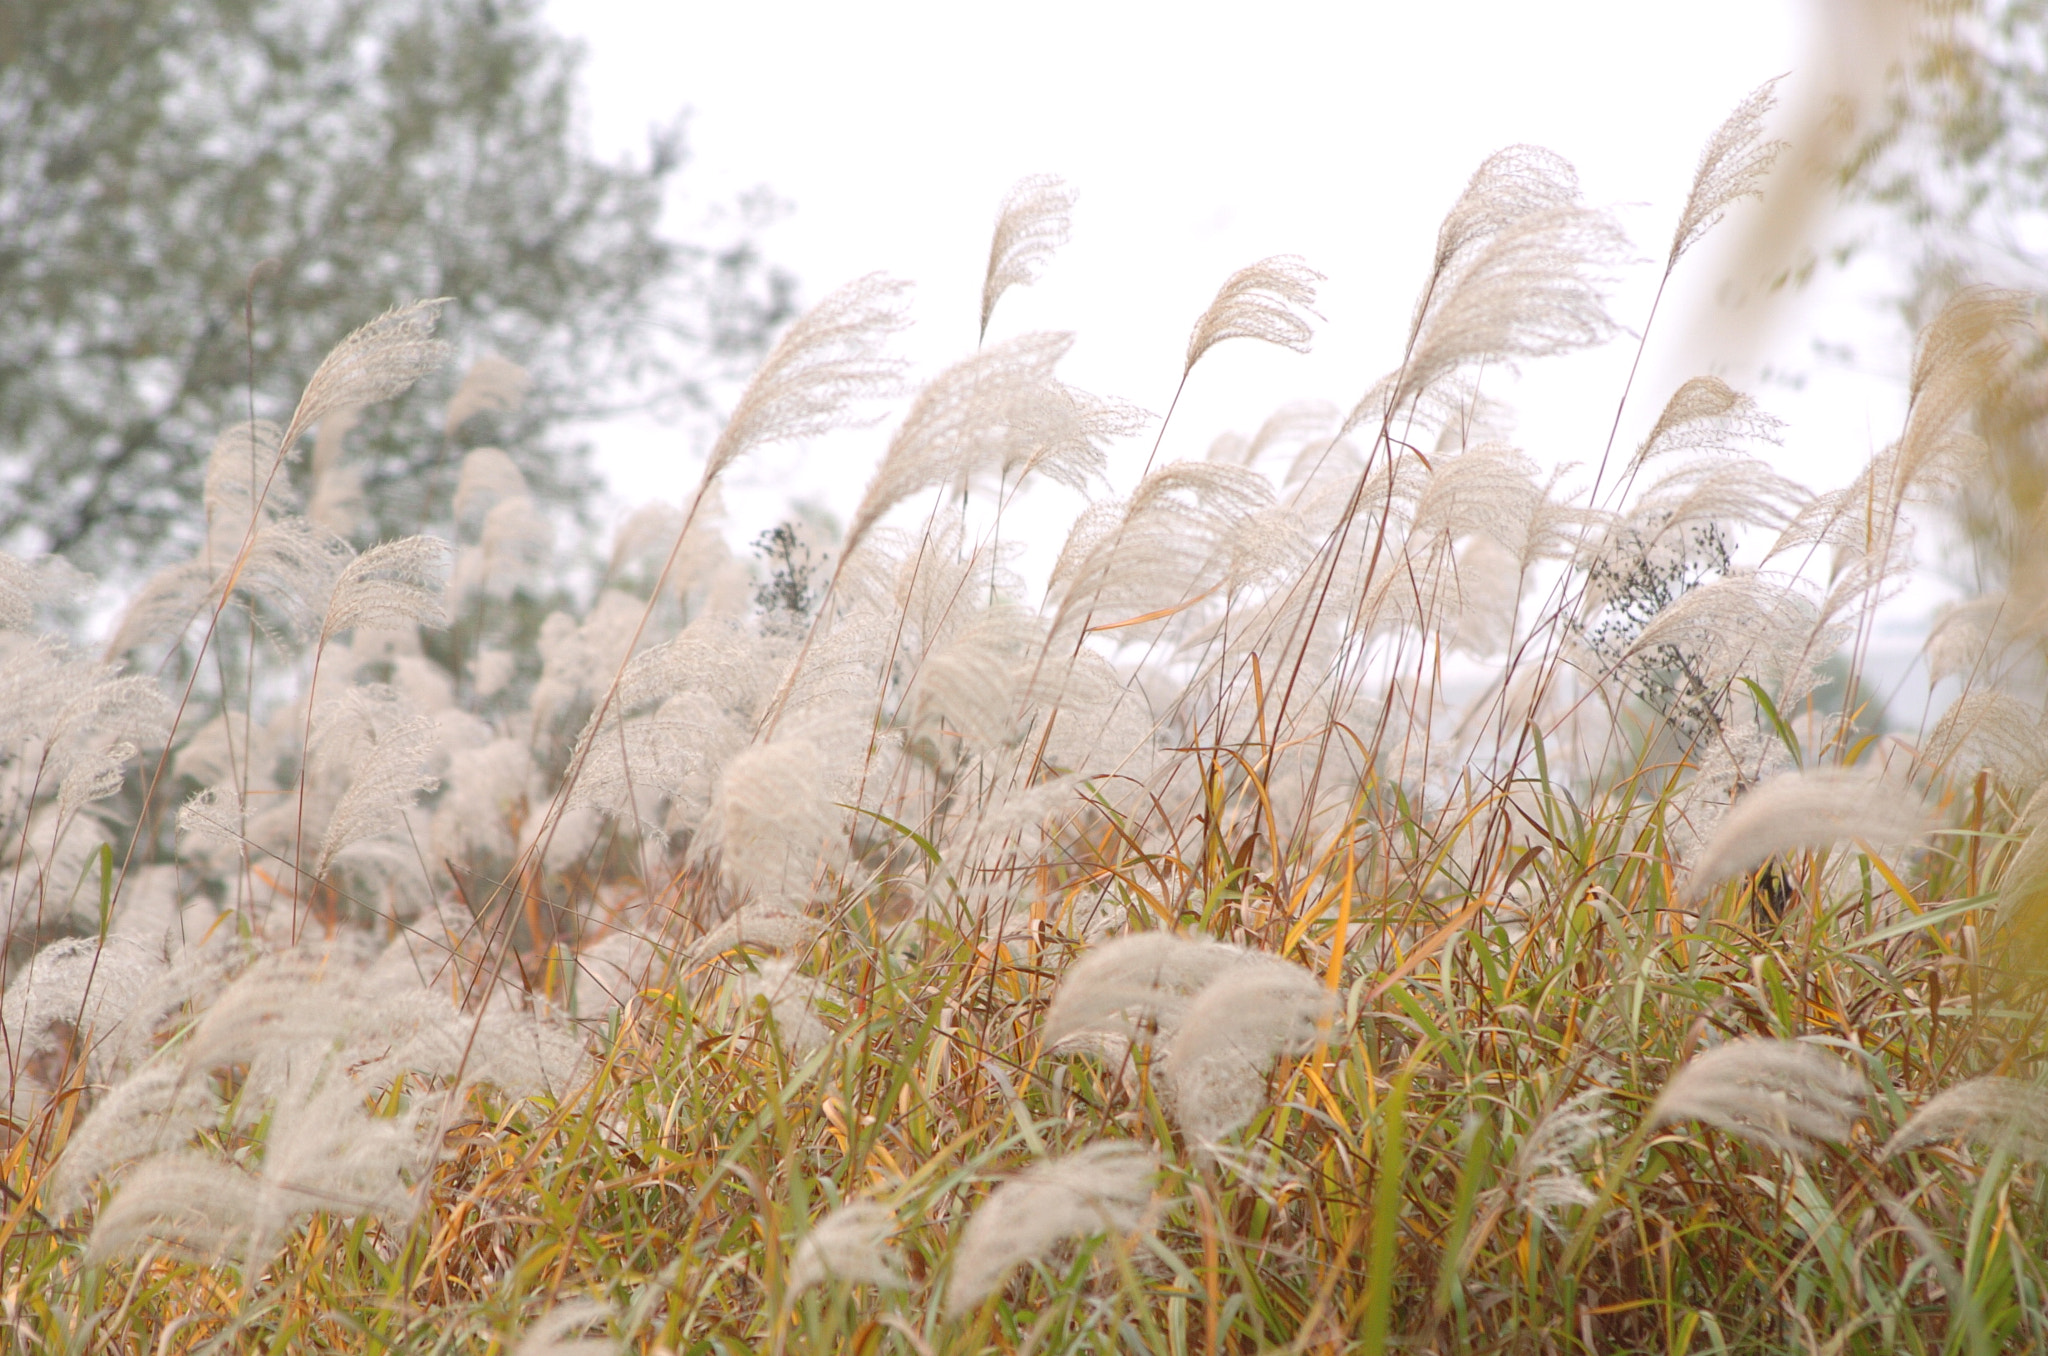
{"type": "Point", "coordinates": [1377, 894]}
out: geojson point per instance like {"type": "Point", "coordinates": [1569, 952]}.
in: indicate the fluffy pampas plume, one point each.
{"type": "Point", "coordinates": [375, 363]}
{"type": "Point", "coordinates": [1785, 1095]}
{"type": "Point", "coordinates": [1265, 301]}
{"type": "Point", "coordinates": [828, 358]}
{"type": "Point", "coordinates": [395, 583]}
{"type": "Point", "coordinates": [1732, 167]}
{"type": "Point", "coordinates": [1105, 1188]}
{"type": "Point", "coordinates": [850, 1245]}
{"type": "Point", "coordinates": [1809, 809]}
{"type": "Point", "coordinates": [1998, 1113]}
{"type": "Point", "coordinates": [1035, 219]}
{"type": "Point", "coordinates": [1239, 1023]}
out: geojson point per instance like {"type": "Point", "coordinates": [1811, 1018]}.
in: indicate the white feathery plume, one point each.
{"type": "Point", "coordinates": [1105, 1188]}
{"type": "Point", "coordinates": [103, 707]}
{"type": "Point", "coordinates": [214, 815]}
{"type": "Point", "coordinates": [1034, 220]}
{"type": "Point", "coordinates": [395, 583]}
{"type": "Point", "coordinates": [1998, 1113]}
{"type": "Point", "coordinates": [291, 567]}
{"type": "Point", "coordinates": [791, 999]}
{"type": "Point", "coordinates": [1057, 431]}
{"type": "Point", "coordinates": [1516, 275]}
{"type": "Point", "coordinates": [1743, 625]}
{"type": "Point", "coordinates": [94, 775]}
{"type": "Point", "coordinates": [25, 583]}
{"type": "Point", "coordinates": [376, 362]}
{"type": "Point", "coordinates": [1181, 535]}
{"type": "Point", "coordinates": [959, 422]}
{"type": "Point", "coordinates": [1962, 351]}
{"type": "Point", "coordinates": [850, 1245]}
{"type": "Point", "coordinates": [1707, 415]}
{"type": "Point", "coordinates": [966, 687]}
{"type": "Point", "coordinates": [1135, 984]}
{"type": "Point", "coordinates": [1733, 165]}
{"type": "Point", "coordinates": [68, 1002]}
{"type": "Point", "coordinates": [1989, 730]}
{"type": "Point", "coordinates": [491, 384]}
{"type": "Point", "coordinates": [488, 478]}
{"type": "Point", "coordinates": [831, 356]}
{"type": "Point", "coordinates": [39, 677]}
{"type": "Point", "coordinates": [1813, 808]}
{"type": "Point", "coordinates": [772, 821]}
{"type": "Point", "coordinates": [755, 926]}
{"type": "Point", "coordinates": [388, 780]}
{"type": "Point", "coordinates": [1544, 1177]}
{"type": "Point", "coordinates": [1227, 1040]}
{"type": "Point", "coordinates": [1965, 636]}
{"type": "Point", "coordinates": [1264, 301]}
{"type": "Point", "coordinates": [1785, 1095]}
{"type": "Point", "coordinates": [560, 1332]}
{"type": "Point", "coordinates": [163, 607]}
{"type": "Point", "coordinates": [192, 1205]}
{"type": "Point", "coordinates": [148, 1113]}
{"type": "Point", "coordinates": [1537, 289]}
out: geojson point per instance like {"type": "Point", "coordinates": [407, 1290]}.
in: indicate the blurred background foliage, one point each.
{"type": "Point", "coordinates": [172, 166]}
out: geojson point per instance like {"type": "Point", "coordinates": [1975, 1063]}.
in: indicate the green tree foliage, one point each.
{"type": "Point", "coordinates": [1961, 157]}
{"type": "Point", "coordinates": [1958, 173]}
{"type": "Point", "coordinates": [169, 163]}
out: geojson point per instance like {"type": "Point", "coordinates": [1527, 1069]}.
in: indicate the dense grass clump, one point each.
{"type": "Point", "coordinates": [1378, 895]}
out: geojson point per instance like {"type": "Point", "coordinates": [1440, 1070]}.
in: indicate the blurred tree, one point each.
{"type": "Point", "coordinates": [1958, 173]}
{"type": "Point", "coordinates": [1960, 161]}
{"type": "Point", "coordinates": [158, 151]}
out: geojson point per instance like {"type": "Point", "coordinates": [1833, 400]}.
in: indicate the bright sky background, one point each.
{"type": "Point", "coordinates": [1201, 138]}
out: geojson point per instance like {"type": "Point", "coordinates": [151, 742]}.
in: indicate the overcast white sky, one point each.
{"type": "Point", "coordinates": [1201, 138]}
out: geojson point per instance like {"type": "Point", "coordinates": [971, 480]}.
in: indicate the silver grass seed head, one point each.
{"type": "Point", "coordinates": [1708, 415]}
{"type": "Point", "coordinates": [563, 1329]}
{"type": "Point", "coordinates": [187, 1203]}
{"type": "Point", "coordinates": [1225, 1043]}
{"type": "Point", "coordinates": [1136, 984]}
{"type": "Point", "coordinates": [26, 583]}
{"type": "Point", "coordinates": [830, 358]}
{"type": "Point", "coordinates": [491, 384]}
{"type": "Point", "coordinates": [290, 570]}
{"type": "Point", "coordinates": [393, 584]}
{"type": "Point", "coordinates": [1991, 731]}
{"type": "Point", "coordinates": [1105, 1188]}
{"type": "Point", "coordinates": [1036, 218]}
{"type": "Point", "coordinates": [850, 1245]}
{"type": "Point", "coordinates": [1810, 808]}
{"type": "Point", "coordinates": [1512, 183]}
{"type": "Point", "coordinates": [488, 478]}
{"type": "Point", "coordinates": [961, 422]}
{"type": "Point", "coordinates": [1784, 1095]}
{"type": "Point", "coordinates": [1544, 1176]}
{"type": "Point", "coordinates": [375, 363]}
{"type": "Point", "coordinates": [1997, 1113]}
{"type": "Point", "coordinates": [1733, 165]}
{"type": "Point", "coordinates": [753, 926]}
{"type": "Point", "coordinates": [152, 1111]}
{"type": "Point", "coordinates": [1266, 301]}
{"type": "Point", "coordinates": [1535, 290]}
{"type": "Point", "coordinates": [387, 782]}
